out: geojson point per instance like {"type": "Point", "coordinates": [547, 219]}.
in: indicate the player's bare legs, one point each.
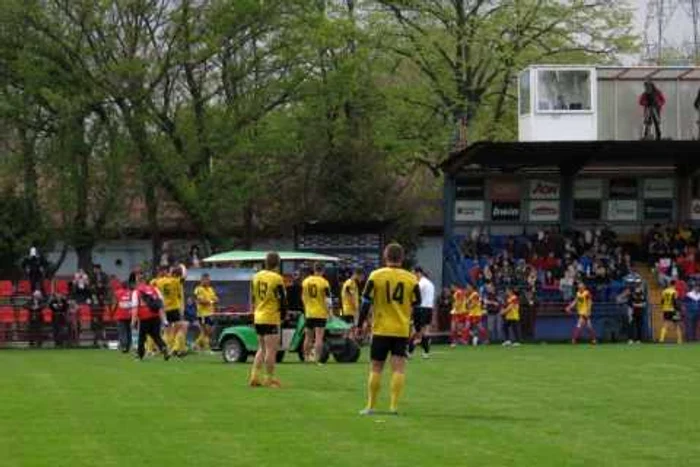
{"type": "Point", "coordinates": [258, 363]}
{"type": "Point", "coordinates": [318, 342]}
{"type": "Point", "coordinates": [309, 344]}
{"type": "Point", "coordinates": [271, 342]}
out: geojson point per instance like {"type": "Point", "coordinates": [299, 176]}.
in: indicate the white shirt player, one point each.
{"type": "Point", "coordinates": [427, 292]}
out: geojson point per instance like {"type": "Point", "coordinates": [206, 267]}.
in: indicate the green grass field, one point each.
{"type": "Point", "coordinates": [534, 406]}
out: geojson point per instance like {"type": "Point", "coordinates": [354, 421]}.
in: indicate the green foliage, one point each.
{"type": "Point", "coordinates": [252, 116]}
{"type": "Point", "coordinates": [16, 237]}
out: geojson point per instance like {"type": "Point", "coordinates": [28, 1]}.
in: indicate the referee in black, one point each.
{"type": "Point", "coordinates": [422, 314]}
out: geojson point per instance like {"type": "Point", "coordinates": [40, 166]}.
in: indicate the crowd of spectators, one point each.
{"type": "Point", "coordinates": [673, 252]}
{"type": "Point", "coordinates": [548, 264]}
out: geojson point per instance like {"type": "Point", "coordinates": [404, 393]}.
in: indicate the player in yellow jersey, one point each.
{"type": "Point", "coordinates": [583, 302]}
{"type": "Point", "coordinates": [269, 303]}
{"type": "Point", "coordinates": [460, 317]}
{"type": "Point", "coordinates": [350, 297]}
{"type": "Point", "coordinates": [475, 325]}
{"type": "Point", "coordinates": [511, 318]}
{"type": "Point", "coordinates": [315, 293]}
{"type": "Point", "coordinates": [170, 287]}
{"type": "Point", "coordinates": [206, 298]}
{"type": "Point", "coordinates": [392, 292]}
{"type": "Point", "coordinates": [670, 307]}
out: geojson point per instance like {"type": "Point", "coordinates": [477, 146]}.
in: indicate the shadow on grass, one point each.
{"type": "Point", "coordinates": [474, 417]}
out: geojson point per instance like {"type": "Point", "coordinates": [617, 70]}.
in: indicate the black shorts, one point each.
{"type": "Point", "coordinates": [672, 316]}
{"type": "Point", "coordinates": [382, 346]}
{"type": "Point", "coordinates": [206, 320]}
{"type": "Point", "coordinates": [313, 323]}
{"type": "Point", "coordinates": [266, 329]}
{"type": "Point", "coordinates": [173, 316]}
{"type": "Point", "coordinates": [348, 319]}
{"type": "Point", "coordinates": [421, 317]}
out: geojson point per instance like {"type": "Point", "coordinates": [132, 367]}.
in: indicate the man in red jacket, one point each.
{"type": "Point", "coordinates": [123, 309]}
{"type": "Point", "coordinates": [148, 312]}
{"type": "Point", "coordinates": [653, 100]}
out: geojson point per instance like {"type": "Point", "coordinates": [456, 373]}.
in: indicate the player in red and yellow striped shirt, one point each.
{"type": "Point", "coordinates": [583, 302]}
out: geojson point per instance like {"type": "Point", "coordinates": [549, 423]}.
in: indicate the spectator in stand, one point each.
{"type": "Point", "coordinates": [549, 281]}
{"type": "Point", "coordinates": [681, 289]}
{"type": "Point", "coordinates": [483, 248]}
{"type": "Point", "coordinates": [566, 285]}
{"type": "Point", "coordinates": [34, 267]}
{"type": "Point", "coordinates": [528, 313]}
{"type": "Point", "coordinates": [35, 305]}
{"type": "Point", "coordinates": [693, 312]}
{"type": "Point", "coordinates": [493, 317]}
{"type": "Point", "coordinates": [195, 260]}
{"type": "Point", "coordinates": [59, 318]}
{"type": "Point", "coordinates": [100, 282]}
{"type": "Point", "coordinates": [81, 287]}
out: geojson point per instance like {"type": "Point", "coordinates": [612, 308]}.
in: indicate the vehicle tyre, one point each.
{"type": "Point", "coordinates": [325, 353]}
{"type": "Point", "coordinates": [233, 351]}
{"type": "Point", "coordinates": [350, 352]}
{"type": "Point", "coordinates": [280, 356]}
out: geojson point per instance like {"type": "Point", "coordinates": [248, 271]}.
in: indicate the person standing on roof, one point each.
{"type": "Point", "coordinates": [653, 101]}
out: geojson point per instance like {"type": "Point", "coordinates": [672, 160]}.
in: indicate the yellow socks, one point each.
{"type": "Point", "coordinates": [662, 337]}
{"type": "Point", "coordinates": [398, 381]}
{"type": "Point", "coordinates": [679, 335]}
{"type": "Point", "coordinates": [181, 341]}
{"type": "Point", "coordinates": [373, 385]}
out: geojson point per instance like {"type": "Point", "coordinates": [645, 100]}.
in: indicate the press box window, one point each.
{"type": "Point", "coordinates": [563, 90]}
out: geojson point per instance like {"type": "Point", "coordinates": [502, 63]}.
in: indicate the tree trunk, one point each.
{"type": "Point", "coordinates": [248, 226]}
{"type": "Point", "coordinates": [84, 253]}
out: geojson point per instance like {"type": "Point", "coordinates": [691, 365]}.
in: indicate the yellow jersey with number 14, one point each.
{"type": "Point", "coordinates": [393, 293]}
{"type": "Point", "coordinates": [267, 292]}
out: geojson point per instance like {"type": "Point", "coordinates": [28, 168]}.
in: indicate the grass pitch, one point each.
{"type": "Point", "coordinates": [537, 405]}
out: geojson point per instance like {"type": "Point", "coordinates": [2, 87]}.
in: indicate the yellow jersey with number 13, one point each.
{"type": "Point", "coordinates": [267, 292]}
{"type": "Point", "coordinates": [393, 293]}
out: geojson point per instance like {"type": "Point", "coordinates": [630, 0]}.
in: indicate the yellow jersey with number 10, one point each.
{"type": "Point", "coordinates": [314, 292]}
{"type": "Point", "coordinates": [393, 292]}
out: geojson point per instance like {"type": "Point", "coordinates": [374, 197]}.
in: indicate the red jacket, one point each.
{"type": "Point", "coordinates": [660, 100]}
{"type": "Point", "coordinates": [144, 312]}
{"type": "Point", "coordinates": [124, 304]}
